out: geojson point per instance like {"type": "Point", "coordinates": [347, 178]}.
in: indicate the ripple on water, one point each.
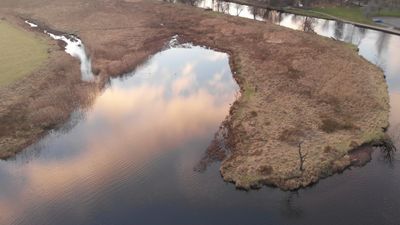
{"type": "Point", "coordinates": [130, 159]}
{"type": "Point", "coordinates": [125, 150]}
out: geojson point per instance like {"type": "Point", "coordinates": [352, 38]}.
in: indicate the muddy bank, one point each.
{"type": "Point", "coordinates": [306, 100]}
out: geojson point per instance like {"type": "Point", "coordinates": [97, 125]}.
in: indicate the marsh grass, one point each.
{"type": "Point", "coordinates": [354, 14]}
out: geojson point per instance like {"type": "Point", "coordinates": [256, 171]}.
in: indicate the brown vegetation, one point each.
{"type": "Point", "coordinates": [298, 89]}
{"type": "Point", "coordinates": [41, 101]}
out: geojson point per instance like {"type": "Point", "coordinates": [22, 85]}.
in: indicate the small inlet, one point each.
{"type": "Point", "coordinates": [75, 48]}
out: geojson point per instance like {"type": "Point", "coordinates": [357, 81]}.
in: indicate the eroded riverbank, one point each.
{"type": "Point", "coordinates": [299, 91]}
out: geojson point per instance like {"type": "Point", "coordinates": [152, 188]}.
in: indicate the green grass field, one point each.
{"type": "Point", "coordinates": [388, 12]}
{"type": "Point", "coordinates": [21, 53]}
{"type": "Point", "coordinates": [305, 12]}
{"type": "Point", "coordinates": [354, 14]}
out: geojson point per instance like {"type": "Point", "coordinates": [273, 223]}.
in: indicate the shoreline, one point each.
{"type": "Point", "coordinates": [315, 15]}
{"type": "Point", "coordinates": [40, 99]}
{"type": "Point", "coordinates": [284, 99]}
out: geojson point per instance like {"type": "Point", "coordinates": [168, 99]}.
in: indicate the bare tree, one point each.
{"type": "Point", "coordinates": [189, 2]}
{"type": "Point", "coordinates": [239, 9]}
{"type": "Point", "coordinates": [302, 157]}
{"type": "Point", "coordinates": [309, 24]}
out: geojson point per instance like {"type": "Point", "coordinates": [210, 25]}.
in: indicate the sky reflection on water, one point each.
{"type": "Point", "coordinates": [129, 159]}
{"type": "Point", "coordinates": [175, 101]}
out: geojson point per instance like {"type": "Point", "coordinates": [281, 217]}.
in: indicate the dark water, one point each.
{"type": "Point", "coordinates": [129, 158]}
{"type": "Point", "coordinates": [391, 22]}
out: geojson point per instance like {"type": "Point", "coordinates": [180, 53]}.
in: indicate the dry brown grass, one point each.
{"type": "Point", "coordinates": [292, 136]}
{"type": "Point", "coordinates": [286, 78]}
{"type": "Point", "coordinates": [41, 101]}
{"type": "Point", "coordinates": [331, 125]}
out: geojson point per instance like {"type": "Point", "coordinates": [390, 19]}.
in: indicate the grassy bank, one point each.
{"type": "Point", "coordinates": [21, 53]}
{"type": "Point", "coordinates": [354, 14]}
{"type": "Point", "coordinates": [388, 12]}
{"type": "Point", "coordinates": [304, 12]}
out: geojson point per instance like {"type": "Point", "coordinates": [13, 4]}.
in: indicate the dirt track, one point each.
{"type": "Point", "coordinates": [303, 96]}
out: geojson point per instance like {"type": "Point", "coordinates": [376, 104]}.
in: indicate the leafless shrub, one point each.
{"type": "Point", "coordinates": [189, 2]}
{"type": "Point", "coordinates": [216, 151]}
{"type": "Point", "coordinates": [388, 149]}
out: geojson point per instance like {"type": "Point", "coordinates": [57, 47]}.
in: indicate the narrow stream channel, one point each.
{"type": "Point", "coordinates": [74, 47]}
{"type": "Point", "coordinates": [129, 159]}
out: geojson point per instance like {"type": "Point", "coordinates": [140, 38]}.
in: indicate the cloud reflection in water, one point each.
{"type": "Point", "coordinates": [179, 96]}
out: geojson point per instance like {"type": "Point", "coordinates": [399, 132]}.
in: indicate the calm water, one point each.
{"type": "Point", "coordinates": [129, 159]}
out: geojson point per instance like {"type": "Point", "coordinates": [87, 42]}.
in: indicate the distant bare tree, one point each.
{"type": "Point", "coordinates": [189, 2]}
{"type": "Point", "coordinates": [239, 9]}
{"type": "Point", "coordinates": [338, 33]}
{"type": "Point", "coordinates": [309, 24]}
{"type": "Point", "coordinates": [222, 6]}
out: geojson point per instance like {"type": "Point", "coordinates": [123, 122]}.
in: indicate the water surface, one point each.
{"type": "Point", "coordinates": [129, 158]}
{"type": "Point", "coordinates": [133, 150]}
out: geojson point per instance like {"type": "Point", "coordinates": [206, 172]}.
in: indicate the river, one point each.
{"type": "Point", "coordinates": [130, 157]}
